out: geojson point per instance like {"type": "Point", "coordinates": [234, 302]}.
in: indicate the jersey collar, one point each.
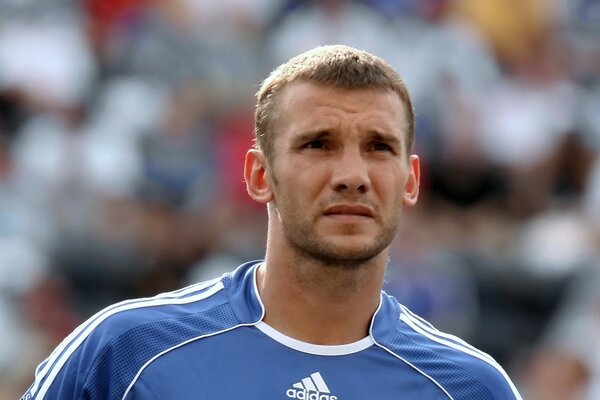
{"type": "Point", "coordinates": [247, 305]}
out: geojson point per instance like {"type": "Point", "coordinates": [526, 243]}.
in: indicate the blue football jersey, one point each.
{"type": "Point", "coordinates": [208, 341]}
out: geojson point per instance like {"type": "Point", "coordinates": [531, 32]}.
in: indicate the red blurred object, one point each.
{"type": "Point", "coordinates": [104, 13]}
{"type": "Point", "coordinates": [47, 307]}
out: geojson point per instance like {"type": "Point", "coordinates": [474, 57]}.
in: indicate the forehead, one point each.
{"type": "Point", "coordinates": [302, 104]}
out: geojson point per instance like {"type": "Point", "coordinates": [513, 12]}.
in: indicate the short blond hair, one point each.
{"type": "Point", "coordinates": [338, 66]}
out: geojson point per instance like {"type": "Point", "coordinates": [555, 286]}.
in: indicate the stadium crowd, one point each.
{"type": "Point", "coordinates": [123, 126]}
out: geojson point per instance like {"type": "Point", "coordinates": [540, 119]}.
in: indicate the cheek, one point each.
{"type": "Point", "coordinates": [385, 179]}
{"type": "Point", "coordinates": [304, 181]}
{"type": "Point", "coordinates": [390, 189]}
{"type": "Point", "coordinates": [288, 194]}
{"type": "Point", "coordinates": [298, 199]}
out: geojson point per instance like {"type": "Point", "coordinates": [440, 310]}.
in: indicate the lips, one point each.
{"type": "Point", "coordinates": [349, 209]}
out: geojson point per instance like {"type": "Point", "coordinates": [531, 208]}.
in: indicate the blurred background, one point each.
{"type": "Point", "coordinates": [123, 126]}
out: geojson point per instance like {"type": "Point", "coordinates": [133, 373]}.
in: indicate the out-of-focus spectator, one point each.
{"type": "Point", "coordinates": [524, 124]}
{"type": "Point", "coordinates": [176, 192]}
{"type": "Point", "coordinates": [576, 333]}
{"type": "Point", "coordinates": [162, 43]}
{"type": "Point", "coordinates": [103, 17]}
{"type": "Point", "coordinates": [580, 28]}
{"type": "Point", "coordinates": [556, 244]}
{"type": "Point", "coordinates": [512, 27]}
{"type": "Point", "coordinates": [49, 63]}
{"type": "Point", "coordinates": [178, 163]}
{"type": "Point", "coordinates": [25, 262]}
{"type": "Point", "coordinates": [554, 374]}
{"type": "Point", "coordinates": [330, 21]}
{"type": "Point", "coordinates": [449, 68]}
{"type": "Point", "coordinates": [174, 41]}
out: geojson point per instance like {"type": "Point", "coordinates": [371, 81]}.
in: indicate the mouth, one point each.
{"type": "Point", "coordinates": [348, 211]}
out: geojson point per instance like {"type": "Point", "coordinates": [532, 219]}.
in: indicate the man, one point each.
{"type": "Point", "coordinates": [333, 164]}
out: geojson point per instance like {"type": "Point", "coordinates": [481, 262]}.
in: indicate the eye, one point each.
{"type": "Point", "coordinates": [379, 146]}
{"type": "Point", "coordinates": [315, 144]}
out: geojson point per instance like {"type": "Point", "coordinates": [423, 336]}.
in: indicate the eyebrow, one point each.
{"type": "Point", "coordinates": [312, 135]}
{"type": "Point", "coordinates": [373, 135]}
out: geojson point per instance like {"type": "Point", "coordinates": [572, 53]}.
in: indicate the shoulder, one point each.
{"type": "Point", "coordinates": [134, 315]}
{"type": "Point", "coordinates": [131, 319]}
{"type": "Point", "coordinates": [457, 368]}
{"type": "Point", "coordinates": [99, 358]}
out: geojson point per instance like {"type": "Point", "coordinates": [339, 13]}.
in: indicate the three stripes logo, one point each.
{"type": "Point", "coordinates": [312, 387]}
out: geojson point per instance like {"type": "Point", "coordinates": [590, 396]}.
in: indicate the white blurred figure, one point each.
{"type": "Point", "coordinates": [25, 232]}
{"type": "Point", "coordinates": [72, 169]}
{"type": "Point", "coordinates": [48, 61]}
{"type": "Point", "coordinates": [524, 123]}
{"type": "Point", "coordinates": [556, 244]}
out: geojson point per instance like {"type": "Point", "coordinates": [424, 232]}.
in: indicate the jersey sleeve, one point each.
{"type": "Point", "coordinates": [462, 370]}
{"type": "Point", "coordinates": [95, 361]}
{"type": "Point", "coordinates": [63, 375]}
{"type": "Point", "coordinates": [103, 357]}
{"type": "Point", "coordinates": [99, 361]}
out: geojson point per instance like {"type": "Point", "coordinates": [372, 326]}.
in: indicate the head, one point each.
{"type": "Point", "coordinates": [333, 163]}
{"type": "Point", "coordinates": [338, 66]}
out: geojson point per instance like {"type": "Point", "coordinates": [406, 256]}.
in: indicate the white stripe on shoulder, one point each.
{"type": "Point", "coordinates": [150, 361]}
{"type": "Point", "coordinates": [429, 328]}
{"type": "Point", "coordinates": [406, 310]}
{"type": "Point", "coordinates": [60, 355]}
{"type": "Point", "coordinates": [467, 350]}
{"type": "Point", "coordinates": [417, 369]}
{"type": "Point", "coordinates": [401, 358]}
{"type": "Point", "coordinates": [192, 288]}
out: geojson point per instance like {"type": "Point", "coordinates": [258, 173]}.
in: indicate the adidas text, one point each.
{"type": "Point", "coordinates": [308, 395]}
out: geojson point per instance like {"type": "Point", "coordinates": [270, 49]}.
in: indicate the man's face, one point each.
{"type": "Point", "coordinates": [340, 172]}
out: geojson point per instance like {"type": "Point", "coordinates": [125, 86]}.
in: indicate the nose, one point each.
{"type": "Point", "coordinates": [350, 173]}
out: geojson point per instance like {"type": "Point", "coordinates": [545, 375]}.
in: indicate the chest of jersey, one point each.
{"type": "Point", "coordinates": [246, 364]}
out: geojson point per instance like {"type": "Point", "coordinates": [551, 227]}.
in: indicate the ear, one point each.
{"type": "Point", "coordinates": [411, 188]}
{"type": "Point", "coordinates": [257, 177]}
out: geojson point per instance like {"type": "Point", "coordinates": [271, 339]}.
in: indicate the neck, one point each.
{"type": "Point", "coordinates": [310, 301]}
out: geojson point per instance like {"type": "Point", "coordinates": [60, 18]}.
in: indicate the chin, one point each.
{"type": "Point", "coordinates": [337, 248]}
{"type": "Point", "coordinates": [349, 253]}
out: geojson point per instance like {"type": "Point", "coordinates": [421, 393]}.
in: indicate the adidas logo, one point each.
{"type": "Point", "coordinates": [312, 387]}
